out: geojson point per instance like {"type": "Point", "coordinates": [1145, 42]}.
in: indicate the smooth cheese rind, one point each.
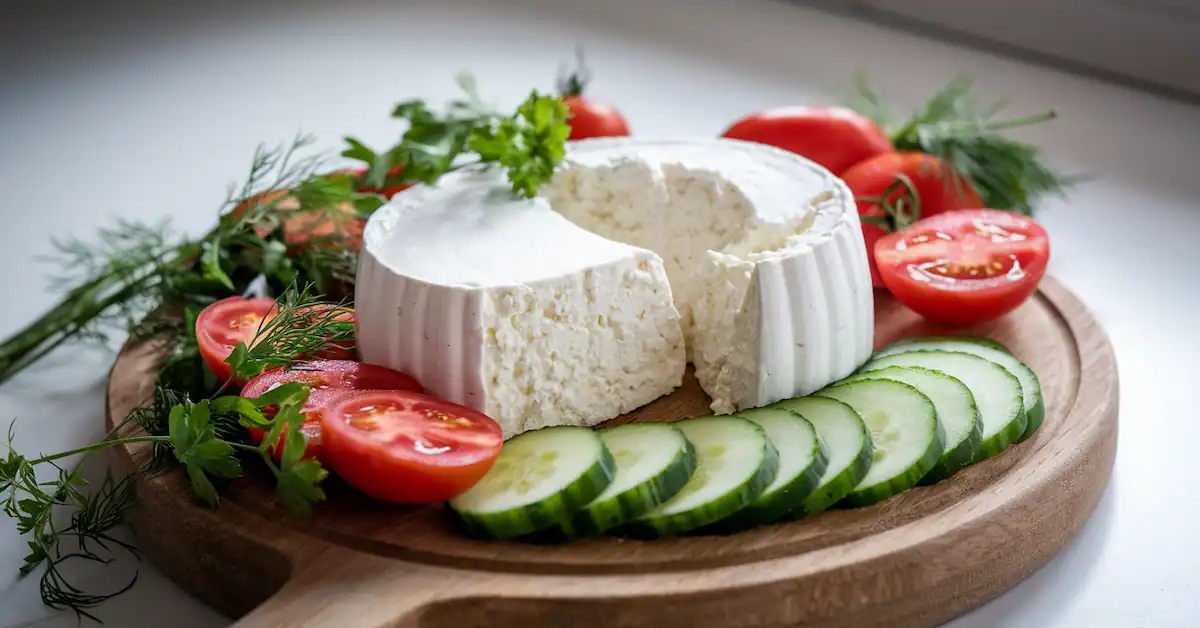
{"type": "Point", "coordinates": [502, 305]}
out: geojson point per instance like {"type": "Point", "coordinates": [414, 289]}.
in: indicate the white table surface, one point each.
{"type": "Point", "coordinates": [146, 112]}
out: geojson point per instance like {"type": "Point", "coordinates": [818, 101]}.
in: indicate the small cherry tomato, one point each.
{"type": "Point", "coordinates": [593, 118]}
{"type": "Point", "coordinates": [965, 267]}
{"type": "Point", "coordinates": [405, 447]}
{"type": "Point", "coordinates": [327, 379]}
{"type": "Point", "coordinates": [834, 137]}
{"type": "Point", "coordinates": [936, 186]}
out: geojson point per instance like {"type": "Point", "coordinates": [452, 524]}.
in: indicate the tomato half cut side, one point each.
{"type": "Point", "coordinates": [327, 379]}
{"type": "Point", "coordinates": [223, 325]}
{"type": "Point", "coordinates": [406, 447]}
{"type": "Point", "coordinates": [965, 267]}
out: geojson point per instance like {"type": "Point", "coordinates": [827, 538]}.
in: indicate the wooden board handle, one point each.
{"type": "Point", "coordinates": [338, 587]}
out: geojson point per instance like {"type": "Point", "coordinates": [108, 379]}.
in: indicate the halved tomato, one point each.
{"type": "Point", "coordinates": [966, 266]}
{"type": "Point", "coordinates": [408, 448]}
{"type": "Point", "coordinates": [223, 325]}
{"type": "Point", "coordinates": [327, 379]}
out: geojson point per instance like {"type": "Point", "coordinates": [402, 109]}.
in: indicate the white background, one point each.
{"type": "Point", "coordinates": [141, 113]}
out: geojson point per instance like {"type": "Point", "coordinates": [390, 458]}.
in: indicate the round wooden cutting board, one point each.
{"type": "Point", "coordinates": [917, 559]}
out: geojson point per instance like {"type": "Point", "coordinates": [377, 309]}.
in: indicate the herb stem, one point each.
{"type": "Point", "coordinates": [79, 308]}
{"type": "Point", "coordinates": [101, 445]}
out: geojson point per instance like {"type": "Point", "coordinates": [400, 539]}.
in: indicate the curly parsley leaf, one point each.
{"type": "Point", "coordinates": [530, 144]}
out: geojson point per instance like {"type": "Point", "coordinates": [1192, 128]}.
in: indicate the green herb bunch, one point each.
{"type": "Point", "coordinates": [206, 435]}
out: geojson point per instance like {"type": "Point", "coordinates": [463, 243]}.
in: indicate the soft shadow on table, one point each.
{"type": "Point", "coordinates": [1049, 591]}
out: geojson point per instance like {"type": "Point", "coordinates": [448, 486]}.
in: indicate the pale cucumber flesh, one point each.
{"type": "Point", "coordinates": [735, 462]}
{"type": "Point", "coordinates": [904, 434]}
{"type": "Point", "coordinates": [802, 461]}
{"type": "Point", "coordinates": [1031, 388]}
{"type": "Point", "coordinates": [847, 446]}
{"type": "Point", "coordinates": [997, 392]}
{"type": "Point", "coordinates": [956, 414]}
{"type": "Point", "coordinates": [540, 478]}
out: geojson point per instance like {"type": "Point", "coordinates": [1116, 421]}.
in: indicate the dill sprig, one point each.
{"type": "Point", "coordinates": [207, 437]}
{"type": "Point", "coordinates": [113, 283]}
{"type": "Point", "coordinates": [968, 137]}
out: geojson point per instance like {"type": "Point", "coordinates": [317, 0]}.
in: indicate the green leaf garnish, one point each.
{"type": "Point", "coordinates": [530, 144]}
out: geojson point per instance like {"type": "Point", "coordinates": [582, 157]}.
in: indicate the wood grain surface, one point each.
{"type": "Point", "coordinates": [917, 559]}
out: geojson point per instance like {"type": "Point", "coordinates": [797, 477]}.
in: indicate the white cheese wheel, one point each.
{"type": "Point", "coordinates": [557, 310]}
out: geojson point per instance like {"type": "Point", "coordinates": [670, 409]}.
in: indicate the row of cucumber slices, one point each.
{"type": "Point", "coordinates": [916, 413]}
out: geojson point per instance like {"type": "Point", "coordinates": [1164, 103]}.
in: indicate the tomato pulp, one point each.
{"type": "Point", "coordinates": [965, 267]}
{"type": "Point", "coordinates": [223, 325]}
{"type": "Point", "coordinates": [407, 447]}
{"type": "Point", "coordinates": [327, 381]}
{"type": "Point", "coordinates": [835, 137]}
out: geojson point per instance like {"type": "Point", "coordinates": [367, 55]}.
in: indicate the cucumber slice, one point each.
{"type": "Point", "coordinates": [904, 434]}
{"type": "Point", "coordinates": [956, 414]}
{"type": "Point", "coordinates": [919, 340]}
{"type": "Point", "coordinates": [654, 462]}
{"type": "Point", "coordinates": [997, 392]}
{"type": "Point", "coordinates": [847, 445]}
{"type": "Point", "coordinates": [1031, 388]}
{"type": "Point", "coordinates": [735, 463]}
{"type": "Point", "coordinates": [802, 461]}
{"type": "Point", "coordinates": [540, 478]}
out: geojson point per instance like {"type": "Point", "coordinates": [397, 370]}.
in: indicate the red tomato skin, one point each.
{"type": "Point", "coordinates": [965, 301]}
{"type": "Point", "coordinates": [209, 324]}
{"type": "Point", "coordinates": [328, 379]}
{"type": "Point", "coordinates": [594, 118]}
{"type": "Point", "coordinates": [395, 474]}
{"type": "Point", "coordinates": [387, 191]}
{"type": "Point", "coordinates": [870, 178]}
{"type": "Point", "coordinates": [834, 137]}
{"type": "Point", "coordinates": [348, 350]}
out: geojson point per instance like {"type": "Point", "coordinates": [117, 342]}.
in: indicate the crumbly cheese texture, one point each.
{"type": "Point", "coordinates": [763, 249]}
{"type": "Point", "coordinates": [587, 302]}
{"type": "Point", "coordinates": [504, 306]}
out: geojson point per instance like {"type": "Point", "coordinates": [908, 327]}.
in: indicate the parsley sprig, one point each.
{"type": "Point", "coordinates": [529, 144]}
{"type": "Point", "coordinates": [206, 437]}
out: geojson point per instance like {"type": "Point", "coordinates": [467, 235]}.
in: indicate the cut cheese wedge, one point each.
{"type": "Point", "coordinates": [640, 255]}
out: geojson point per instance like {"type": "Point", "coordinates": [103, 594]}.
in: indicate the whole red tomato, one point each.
{"type": "Point", "coordinates": [835, 137]}
{"type": "Point", "coordinates": [896, 189]}
{"type": "Point", "coordinates": [593, 118]}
